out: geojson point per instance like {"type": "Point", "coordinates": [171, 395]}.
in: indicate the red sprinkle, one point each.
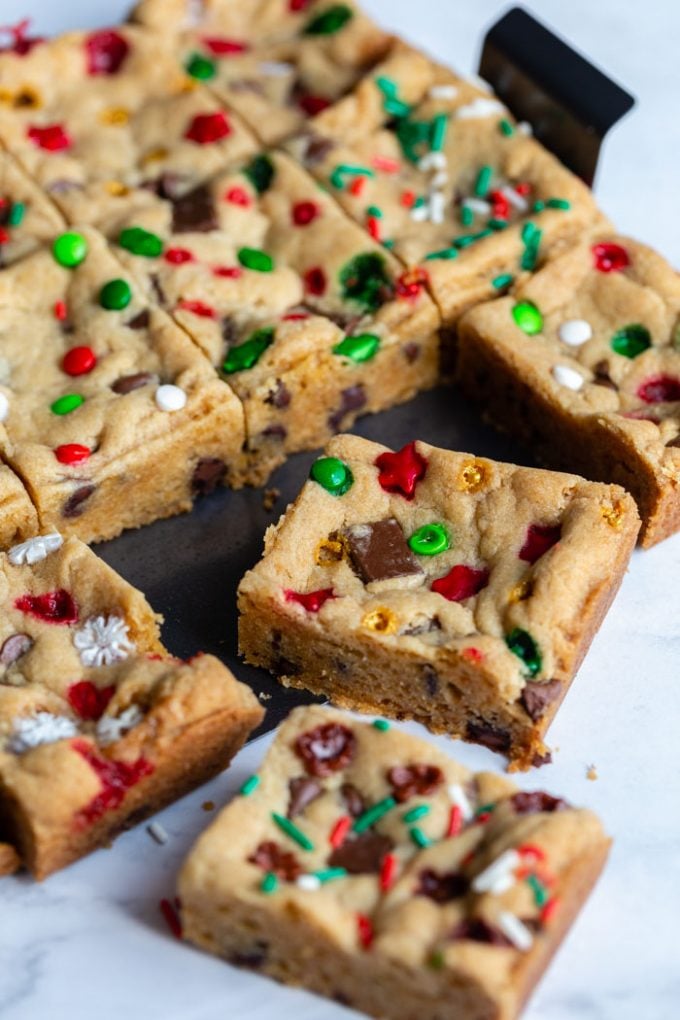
{"type": "Point", "coordinates": [357, 185]}
{"type": "Point", "coordinates": [311, 105]}
{"type": "Point", "coordinates": [295, 317]}
{"type": "Point", "coordinates": [530, 850]}
{"type": "Point", "coordinates": [455, 821]}
{"type": "Point", "coordinates": [365, 931]}
{"type": "Point", "coordinates": [548, 912]}
{"type": "Point", "coordinates": [500, 205]}
{"type": "Point", "coordinates": [540, 538]}
{"type": "Point", "coordinates": [72, 453]}
{"type": "Point", "coordinates": [461, 583]}
{"type": "Point", "coordinates": [411, 283]}
{"type": "Point", "coordinates": [388, 872]}
{"type": "Point", "coordinates": [312, 601]}
{"type": "Point", "coordinates": [298, 5]}
{"type": "Point", "coordinates": [171, 917]}
{"type": "Point", "coordinates": [207, 128]}
{"type": "Point", "coordinates": [52, 607]}
{"type": "Point", "coordinates": [198, 308]}
{"type": "Point", "coordinates": [21, 43]}
{"type": "Point", "coordinates": [660, 389]}
{"type": "Point", "coordinates": [79, 360]}
{"type": "Point", "coordinates": [229, 272]}
{"type": "Point", "coordinates": [304, 213]}
{"type": "Point", "coordinates": [221, 47]}
{"type": "Point", "coordinates": [610, 257]}
{"type": "Point", "coordinates": [60, 310]}
{"type": "Point", "coordinates": [408, 199]}
{"type": "Point", "coordinates": [373, 227]}
{"type": "Point", "coordinates": [471, 654]}
{"type": "Point", "coordinates": [523, 188]}
{"type": "Point", "coordinates": [339, 831]}
{"type": "Point", "coordinates": [52, 138]}
{"type": "Point", "coordinates": [315, 281]}
{"type": "Point", "coordinates": [400, 472]}
{"type": "Point", "coordinates": [177, 256]}
{"type": "Point", "coordinates": [387, 165]}
{"type": "Point", "coordinates": [116, 778]}
{"type": "Point", "coordinates": [89, 701]}
{"type": "Point", "coordinates": [106, 52]}
{"type": "Point", "coordinates": [237, 196]}
{"type": "Point", "coordinates": [4, 235]}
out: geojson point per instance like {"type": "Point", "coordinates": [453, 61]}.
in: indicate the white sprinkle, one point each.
{"type": "Point", "coordinates": [437, 206]}
{"type": "Point", "coordinates": [41, 728]}
{"type": "Point", "coordinates": [515, 930]}
{"type": "Point", "coordinates": [459, 797]}
{"type": "Point", "coordinates": [481, 83]}
{"type": "Point", "coordinates": [443, 92]}
{"type": "Point", "coordinates": [569, 377]}
{"type": "Point", "coordinates": [170, 398]}
{"type": "Point", "coordinates": [440, 179]}
{"type": "Point", "coordinates": [4, 407]}
{"type": "Point", "coordinates": [157, 832]}
{"type": "Point", "coordinates": [499, 876]}
{"type": "Point", "coordinates": [275, 69]}
{"type": "Point", "coordinates": [478, 205]}
{"type": "Point", "coordinates": [433, 161]}
{"type": "Point", "coordinates": [310, 883]}
{"type": "Point", "coordinates": [420, 213]}
{"type": "Point", "coordinates": [35, 549]}
{"type": "Point", "coordinates": [111, 727]}
{"type": "Point", "coordinates": [514, 198]}
{"type": "Point", "coordinates": [479, 108]}
{"type": "Point", "coordinates": [103, 640]}
{"type": "Point", "coordinates": [575, 332]}
{"type": "Point", "coordinates": [525, 128]}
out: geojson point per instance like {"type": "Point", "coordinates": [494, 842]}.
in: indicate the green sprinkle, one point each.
{"type": "Point", "coordinates": [525, 648]}
{"type": "Point", "coordinates": [343, 170]}
{"type": "Point", "coordinates": [387, 86]}
{"type": "Point", "coordinates": [329, 21]}
{"type": "Point", "coordinates": [420, 201]}
{"type": "Point", "coordinates": [413, 136]}
{"type": "Point", "coordinates": [69, 402]}
{"type": "Point", "coordinates": [436, 960]}
{"type": "Point", "coordinates": [16, 214]}
{"type": "Point", "coordinates": [364, 280]}
{"type": "Point", "coordinates": [247, 354]}
{"type": "Point", "coordinates": [374, 814]}
{"type": "Point", "coordinates": [528, 231]}
{"type": "Point", "coordinates": [528, 318]}
{"type": "Point", "coordinates": [439, 127]}
{"type": "Point", "coordinates": [332, 474]}
{"type": "Point", "coordinates": [115, 295]}
{"type": "Point", "coordinates": [200, 67]}
{"type": "Point", "coordinates": [631, 340]}
{"type": "Point", "coordinates": [443, 253]}
{"type": "Point", "coordinates": [430, 540]}
{"type": "Point", "coordinates": [506, 128]}
{"type": "Point", "coordinates": [465, 240]}
{"type": "Point", "coordinates": [291, 830]}
{"type": "Point", "coordinates": [260, 172]}
{"type": "Point", "coordinates": [269, 883]}
{"type": "Point", "coordinates": [483, 182]}
{"type": "Point", "coordinates": [374, 210]}
{"type": "Point", "coordinates": [250, 785]}
{"type": "Point", "coordinates": [504, 280]}
{"type": "Point", "coordinates": [253, 258]}
{"type": "Point", "coordinates": [558, 203]}
{"type": "Point", "coordinates": [485, 809]}
{"type": "Point", "coordinates": [358, 348]}
{"type": "Point", "coordinates": [415, 813]}
{"type": "Point", "coordinates": [539, 206]}
{"type": "Point", "coordinates": [494, 224]}
{"type": "Point", "coordinates": [396, 108]}
{"type": "Point", "coordinates": [532, 246]}
{"type": "Point", "coordinates": [141, 242]}
{"type": "Point", "coordinates": [389, 243]}
{"type": "Point", "coordinates": [381, 724]}
{"type": "Point", "coordinates": [467, 216]}
{"type": "Point", "coordinates": [70, 249]}
{"type": "Point", "coordinates": [419, 838]}
{"type": "Point", "coordinates": [540, 892]}
{"type": "Point", "coordinates": [330, 874]}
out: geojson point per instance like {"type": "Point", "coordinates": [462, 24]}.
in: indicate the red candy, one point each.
{"type": "Point", "coordinates": [610, 257]}
{"type": "Point", "coordinates": [79, 360]}
{"type": "Point", "coordinates": [461, 583]}
{"type": "Point", "coordinates": [89, 701]}
{"type": "Point", "coordinates": [106, 52]}
{"type": "Point", "coordinates": [176, 256]}
{"type": "Point", "coordinates": [311, 105]}
{"type": "Point", "coordinates": [60, 311]}
{"type": "Point", "coordinates": [221, 47]}
{"type": "Point", "coordinates": [53, 138]}
{"type": "Point", "coordinates": [540, 538]}
{"type": "Point", "coordinates": [72, 453]}
{"type": "Point", "coordinates": [304, 213]}
{"type": "Point", "coordinates": [400, 472]}
{"type": "Point", "coordinates": [660, 389]}
{"type": "Point", "coordinates": [315, 281]}
{"type": "Point", "coordinates": [312, 601]}
{"type": "Point", "coordinates": [237, 196]}
{"type": "Point", "coordinates": [52, 607]}
{"type": "Point", "coordinates": [207, 128]}
{"type": "Point", "coordinates": [229, 272]}
{"type": "Point", "coordinates": [198, 308]}
{"type": "Point", "coordinates": [116, 778]}
{"type": "Point", "coordinates": [411, 282]}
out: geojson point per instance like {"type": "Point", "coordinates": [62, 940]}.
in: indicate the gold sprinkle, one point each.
{"type": "Point", "coordinates": [381, 620]}
{"type": "Point", "coordinates": [329, 551]}
{"type": "Point", "coordinates": [613, 515]}
{"type": "Point", "coordinates": [473, 476]}
{"type": "Point", "coordinates": [154, 155]}
{"type": "Point", "coordinates": [521, 592]}
{"type": "Point", "coordinates": [115, 116]}
{"type": "Point", "coordinates": [27, 99]}
{"type": "Point", "coordinates": [116, 188]}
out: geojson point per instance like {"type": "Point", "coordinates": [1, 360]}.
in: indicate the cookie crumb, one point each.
{"type": "Point", "coordinates": [269, 498]}
{"type": "Point", "coordinates": [263, 696]}
{"type": "Point", "coordinates": [591, 773]}
{"type": "Point", "coordinates": [208, 805]}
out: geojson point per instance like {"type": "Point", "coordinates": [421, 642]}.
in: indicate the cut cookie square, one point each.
{"type": "Point", "coordinates": [437, 586]}
{"type": "Point", "coordinates": [113, 417]}
{"type": "Point", "coordinates": [18, 519]}
{"type": "Point", "coordinates": [27, 217]}
{"type": "Point", "coordinates": [99, 727]}
{"type": "Point", "coordinates": [105, 121]}
{"type": "Point", "coordinates": [583, 363]}
{"type": "Point", "coordinates": [364, 865]}
{"type": "Point", "coordinates": [309, 320]}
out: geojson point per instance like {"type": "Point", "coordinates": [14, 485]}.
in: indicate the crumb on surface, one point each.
{"type": "Point", "coordinates": [263, 696]}
{"type": "Point", "coordinates": [208, 805]}
{"type": "Point", "coordinates": [591, 773]}
{"type": "Point", "coordinates": [269, 498]}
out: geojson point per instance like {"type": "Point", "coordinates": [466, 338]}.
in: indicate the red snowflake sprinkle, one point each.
{"type": "Point", "coordinates": [400, 472]}
{"type": "Point", "coordinates": [207, 128]}
{"type": "Point", "coordinates": [89, 701]}
{"type": "Point", "coordinates": [539, 539]}
{"type": "Point", "coordinates": [52, 607]}
{"type": "Point", "coordinates": [116, 778]}
{"type": "Point", "coordinates": [106, 52]}
{"type": "Point", "coordinates": [72, 453]}
{"type": "Point", "coordinates": [177, 256]}
{"type": "Point", "coordinates": [198, 308]}
{"type": "Point", "coordinates": [79, 360]}
{"type": "Point", "coordinates": [660, 389]}
{"type": "Point", "coordinates": [315, 281]}
{"type": "Point", "coordinates": [610, 257]}
{"type": "Point", "coordinates": [51, 138]}
{"type": "Point", "coordinates": [312, 601]}
{"type": "Point", "coordinates": [221, 47]}
{"type": "Point", "coordinates": [461, 583]}
{"type": "Point", "coordinates": [237, 196]}
{"type": "Point", "coordinates": [304, 213]}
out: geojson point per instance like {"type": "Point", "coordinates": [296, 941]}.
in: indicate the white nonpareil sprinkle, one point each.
{"type": "Point", "coordinates": [515, 930]}
{"type": "Point", "coordinates": [35, 549]}
{"type": "Point", "coordinates": [437, 206]}
{"type": "Point", "coordinates": [102, 640]}
{"type": "Point", "coordinates": [443, 92]}
{"type": "Point", "coordinates": [499, 876]}
{"type": "Point", "coordinates": [275, 69]}
{"type": "Point", "coordinates": [569, 377]}
{"type": "Point", "coordinates": [41, 728]}
{"type": "Point", "coordinates": [478, 205]}
{"type": "Point", "coordinates": [170, 398]}
{"type": "Point", "coordinates": [157, 832]}
{"type": "Point", "coordinates": [111, 727]}
{"type": "Point", "coordinates": [479, 108]}
{"type": "Point", "coordinates": [4, 407]}
{"type": "Point", "coordinates": [575, 332]}
{"type": "Point", "coordinates": [433, 161]}
{"type": "Point", "coordinates": [514, 198]}
{"type": "Point", "coordinates": [310, 883]}
{"type": "Point", "coordinates": [459, 797]}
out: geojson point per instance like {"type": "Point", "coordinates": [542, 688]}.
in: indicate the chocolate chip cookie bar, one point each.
{"type": "Point", "coordinates": [308, 320]}
{"type": "Point", "coordinates": [438, 586]}
{"type": "Point", "coordinates": [112, 417]}
{"type": "Point", "coordinates": [27, 217]}
{"type": "Point", "coordinates": [583, 362]}
{"type": "Point", "coordinates": [99, 726]}
{"type": "Point", "coordinates": [365, 865]}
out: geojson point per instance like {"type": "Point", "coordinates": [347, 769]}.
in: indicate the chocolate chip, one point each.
{"type": "Point", "coordinates": [536, 802]}
{"type": "Point", "coordinates": [476, 929]}
{"type": "Point", "coordinates": [208, 474]}
{"type": "Point", "coordinates": [141, 320]}
{"type": "Point", "coordinates": [253, 959]}
{"type": "Point", "coordinates": [194, 212]}
{"type": "Point", "coordinates": [426, 627]}
{"type": "Point", "coordinates": [540, 758]}
{"type": "Point", "coordinates": [489, 736]}
{"type": "Point", "coordinates": [73, 507]}
{"type": "Point", "coordinates": [128, 383]}
{"type": "Point", "coordinates": [379, 552]}
{"type": "Point", "coordinates": [442, 887]}
{"type": "Point", "coordinates": [303, 791]}
{"type": "Point", "coordinates": [363, 855]}
{"type": "Point", "coordinates": [354, 802]}
{"type": "Point", "coordinates": [275, 432]}
{"type": "Point", "coordinates": [326, 749]}
{"type": "Point", "coordinates": [317, 148]}
{"type": "Point", "coordinates": [411, 351]}
{"type": "Point", "coordinates": [270, 856]}
{"type": "Point", "coordinates": [14, 647]}
{"type": "Point", "coordinates": [674, 442]}
{"type": "Point", "coordinates": [229, 331]}
{"type": "Point", "coordinates": [411, 780]}
{"type": "Point", "coordinates": [280, 396]}
{"type": "Point", "coordinates": [431, 677]}
{"type": "Point", "coordinates": [351, 399]}
{"type": "Point", "coordinates": [536, 697]}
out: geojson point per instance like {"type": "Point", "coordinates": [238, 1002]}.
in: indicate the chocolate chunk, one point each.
{"type": "Point", "coordinates": [363, 855]}
{"type": "Point", "coordinates": [270, 856]}
{"type": "Point", "coordinates": [326, 749]}
{"type": "Point", "coordinates": [536, 802]}
{"type": "Point", "coordinates": [279, 396]}
{"type": "Point", "coordinates": [442, 887]}
{"type": "Point", "coordinates": [14, 647]}
{"type": "Point", "coordinates": [354, 802]}
{"type": "Point", "coordinates": [303, 791]}
{"type": "Point", "coordinates": [141, 320]}
{"type": "Point", "coordinates": [431, 677]}
{"type": "Point", "coordinates": [536, 697]}
{"type": "Point", "coordinates": [275, 432]}
{"type": "Point", "coordinates": [208, 474]}
{"type": "Point", "coordinates": [476, 929]}
{"type": "Point", "coordinates": [73, 507]}
{"type": "Point", "coordinates": [194, 212]}
{"type": "Point", "coordinates": [128, 383]}
{"type": "Point", "coordinates": [378, 551]}
{"type": "Point", "coordinates": [489, 736]}
{"type": "Point", "coordinates": [316, 149]}
{"type": "Point", "coordinates": [351, 399]}
{"type": "Point", "coordinates": [229, 332]}
{"type": "Point", "coordinates": [426, 627]}
{"type": "Point", "coordinates": [411, 351]}
{"type": "Point", "coordinates": [414, 780]}
{"type": "Point", "coordinates": [541, 758]}
{"type": "Point", "coordinates": [602, 376]}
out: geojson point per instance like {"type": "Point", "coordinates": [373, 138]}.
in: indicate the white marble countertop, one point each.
{"type": "Point", "coordinates": [90, 942]}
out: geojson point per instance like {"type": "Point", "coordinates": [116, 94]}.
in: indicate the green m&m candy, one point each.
{"type": "Point", "coordinates": [329, 21]}
{"type": "Point", "coordinates": [528, 317]}
{"type": "Point", "coordinates": [631, 340]}
{"type": "Point", "coordinates": [69, 249]}
{"type": "Point", "coordinates": [253, 258]}
{"type": "Point", "coordinates": [525, 648]}
{"type": "Point", "coordinates": [200, 67]}
{"type": "Point", "coordinates": [260, 172]}
{"type": "Point", "coordinates": [365, 280]}
{"type": "Point", "coordinates": [141, 242]}
{"type": "Point", "coordinates": [249, 353]}
{"type": "Point", "coordinates": [358, 348]}
{"type": "Point", "coordinates": [69, 402]}
{"type": "Point", "coordinates": [115, 295]}
{"type": "Point", "coordinates": [332, 474]}
{"type": "Point", "coordinates": [430, 540]}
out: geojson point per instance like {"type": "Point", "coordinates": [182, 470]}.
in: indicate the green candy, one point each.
{"type": "Point", "coordinates": [525, 648]}
{"type": "Point", "coordinates": [269, 883]}
{"type": "Point", "coordinates": [253, 258]}
{"type": "Point", "coordinates": [200, 67]}
{"type": "Point", "coordinates": [16, 214]}
{"type": "Point", "coordinates": [631, 340]}
{"type": "Point", "coordinates": [358, 348]}
{"type": "Point", "coordinates": [69, 402]}
{"type": "Point", "coordinates": [69, 249]}
{"type": "Point", "coordinates": [141, 242]}
{"type": "Point", "coordinates": [329, 21]}
{"type": "Point", "coordinates": [528, 317]}
{"type": "Point", "coordinates": [115, 295]}
{"type": "Point", "coordinates": [430, 540]}
{"type": "Point", "coordinates": [247, 354]}
{"type": "Point", "coordinates": [364, 280]}
{"type": "Point", "coordinates": [332, 475]}
{"type": "Point", "coordinates": [260, 172]}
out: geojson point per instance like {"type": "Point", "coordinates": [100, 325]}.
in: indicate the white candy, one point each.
{"type": "Point", "coordinates": [4, 407]}
{"type": "Point", "coordinates": [479, 108]}
{"type": "Point", "coordinates": [111, 727]}
{"type": "Point", "coordinates": [499, 876]}
{"type": "Point", "coordinates": [575, 332]}
{"type": "Point", "coordinates": [103, 640]}
{"type": "Point", "coordinates": [41, 728]}
{"type": "Point", "coordinates": [458, 796]}
{"type": "Point", "coordinates": [443, 92]}
{"type": "Point", "coordinates": [35, 549]}
{"type": "Point", "coordinates": [515, 931]}
{"type": "Point", "coordinates": [170, 398]}
{"type": "Point", "coordinates": [569, 377]}
{"type": "Point", "coordinates": [310, 883]}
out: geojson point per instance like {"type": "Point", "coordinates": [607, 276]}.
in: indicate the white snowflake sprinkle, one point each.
{"type": "Point", "coordinates": [103, 640]}
{"type": "Point", "coordinates": [112, 727]}
{"type": "Point", "coordinates": [35, 549]}
{"type": "Point", "coordinates": [41, 728]}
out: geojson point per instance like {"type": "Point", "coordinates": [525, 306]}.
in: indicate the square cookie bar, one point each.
{"type": "Point", "coordinates": [104, 121]}
{"type": "Point", "coordinates": [99, 727]}
{"type": "Point", "coordinates": [110, 415]}
{"type": "Point", "coordinates": [437, 586]}
{"type": "Point", "coordinates": [363, 864]}
{"type": "Point", "coordinates": [27, 217]}
{"type": "Point", "coordinates": [583, 363]}
{"type": "Point", "coordinates": [309, 320]}
{"type": "Point", "coordinates": [18, 519]}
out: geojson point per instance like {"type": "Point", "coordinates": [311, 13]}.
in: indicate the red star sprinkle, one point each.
{"type": "Point", "coordinates": [312, 601]}
{"type": "Point", "coordinates": [400, 472]}
{"type": "Point", "coordinates": [72, 453]}
{"type": "Point", "coordinates": [116, 778]}
{"type": "Point", "coordinates": [106, 52]}
{"type": "Point", "coordinates": [221, 47]}
{"type": "Point", "coordinates": [610, 257]}
{"type": "Point", "coordinates": [79, 360]}
{"type": "Point", "coordinates": [461, 583]}
{"type": "Point", "coordinates": [540, 538]}
{"type": "Point", "coordinates": [315, 281]}
{"type": "Point", "coordinates": [52, 138]}
{"type": "Point", "coordinates": [89, 701]}
{"type": "Point", "coordinates": [207, 128]}
{"type": "Point", "coordinates": [660, 389]}
{"type": "Point", "coordinates": [304, 213]}
{"type": "Point", "coordinates": [52, 607]}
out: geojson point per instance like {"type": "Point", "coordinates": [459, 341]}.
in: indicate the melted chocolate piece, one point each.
{"type": "Point", "coordinates": [351, 399]}
{"type": "Point", "coordinates": [316, 149]}
{"type": "Point", "coordinates": [141, 320]}
{"type": "Point", "coordinates": [326, 749]}
{"type": "Point", "coordinates": [536, 697]}
{"type": "Point", "coordinates": [536, 802]}
{"type": "Point", "coordinates": [280, 396]}
{"type": "Point", "coordinates": [426, 627]}
{"type": "Point", "coordinates": [411, 351]}
{"type": "Point", "coordinates": [208, 474]}
{"type": "Point", "coordinates": [541, 758]}
{"type": "Point", "coordinates": [128, 383]}
{"type": "Point", "coordinates": [442, 887]}
{"type": "Point", "coordinates": [602, 376]}
{"type": "Point", "coordinates": [14, 648]}
{"type": "Point", "coordinates": [354, 801]}
{"type": "Point", "coordinates": [674, 442]}
{"type": "Point", "coordinates": [378, 551]}
{"type": "Point", "coordinates": [254, 959]}
{"type": "Point", "coordinates": [363, 855]}
{"type": "Point", "coordinates": [275, 432]}
{"type": "Point", "coordinates": [303, 791]}
{"type": "Point", "coordinates": [229, 332]}
{"type": "Point", "coordinates": [411, 780]}
{"type": "Point", "coordinates": [73, 507]}
{"type": "Point", "coordinates": [270, 856]}
{"type": "Point", "coordinates": [489, 736]}
{"type": "Point", "coordinates": [194, 212]}
{"type": "Point", "coordinates": [476, 929]}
